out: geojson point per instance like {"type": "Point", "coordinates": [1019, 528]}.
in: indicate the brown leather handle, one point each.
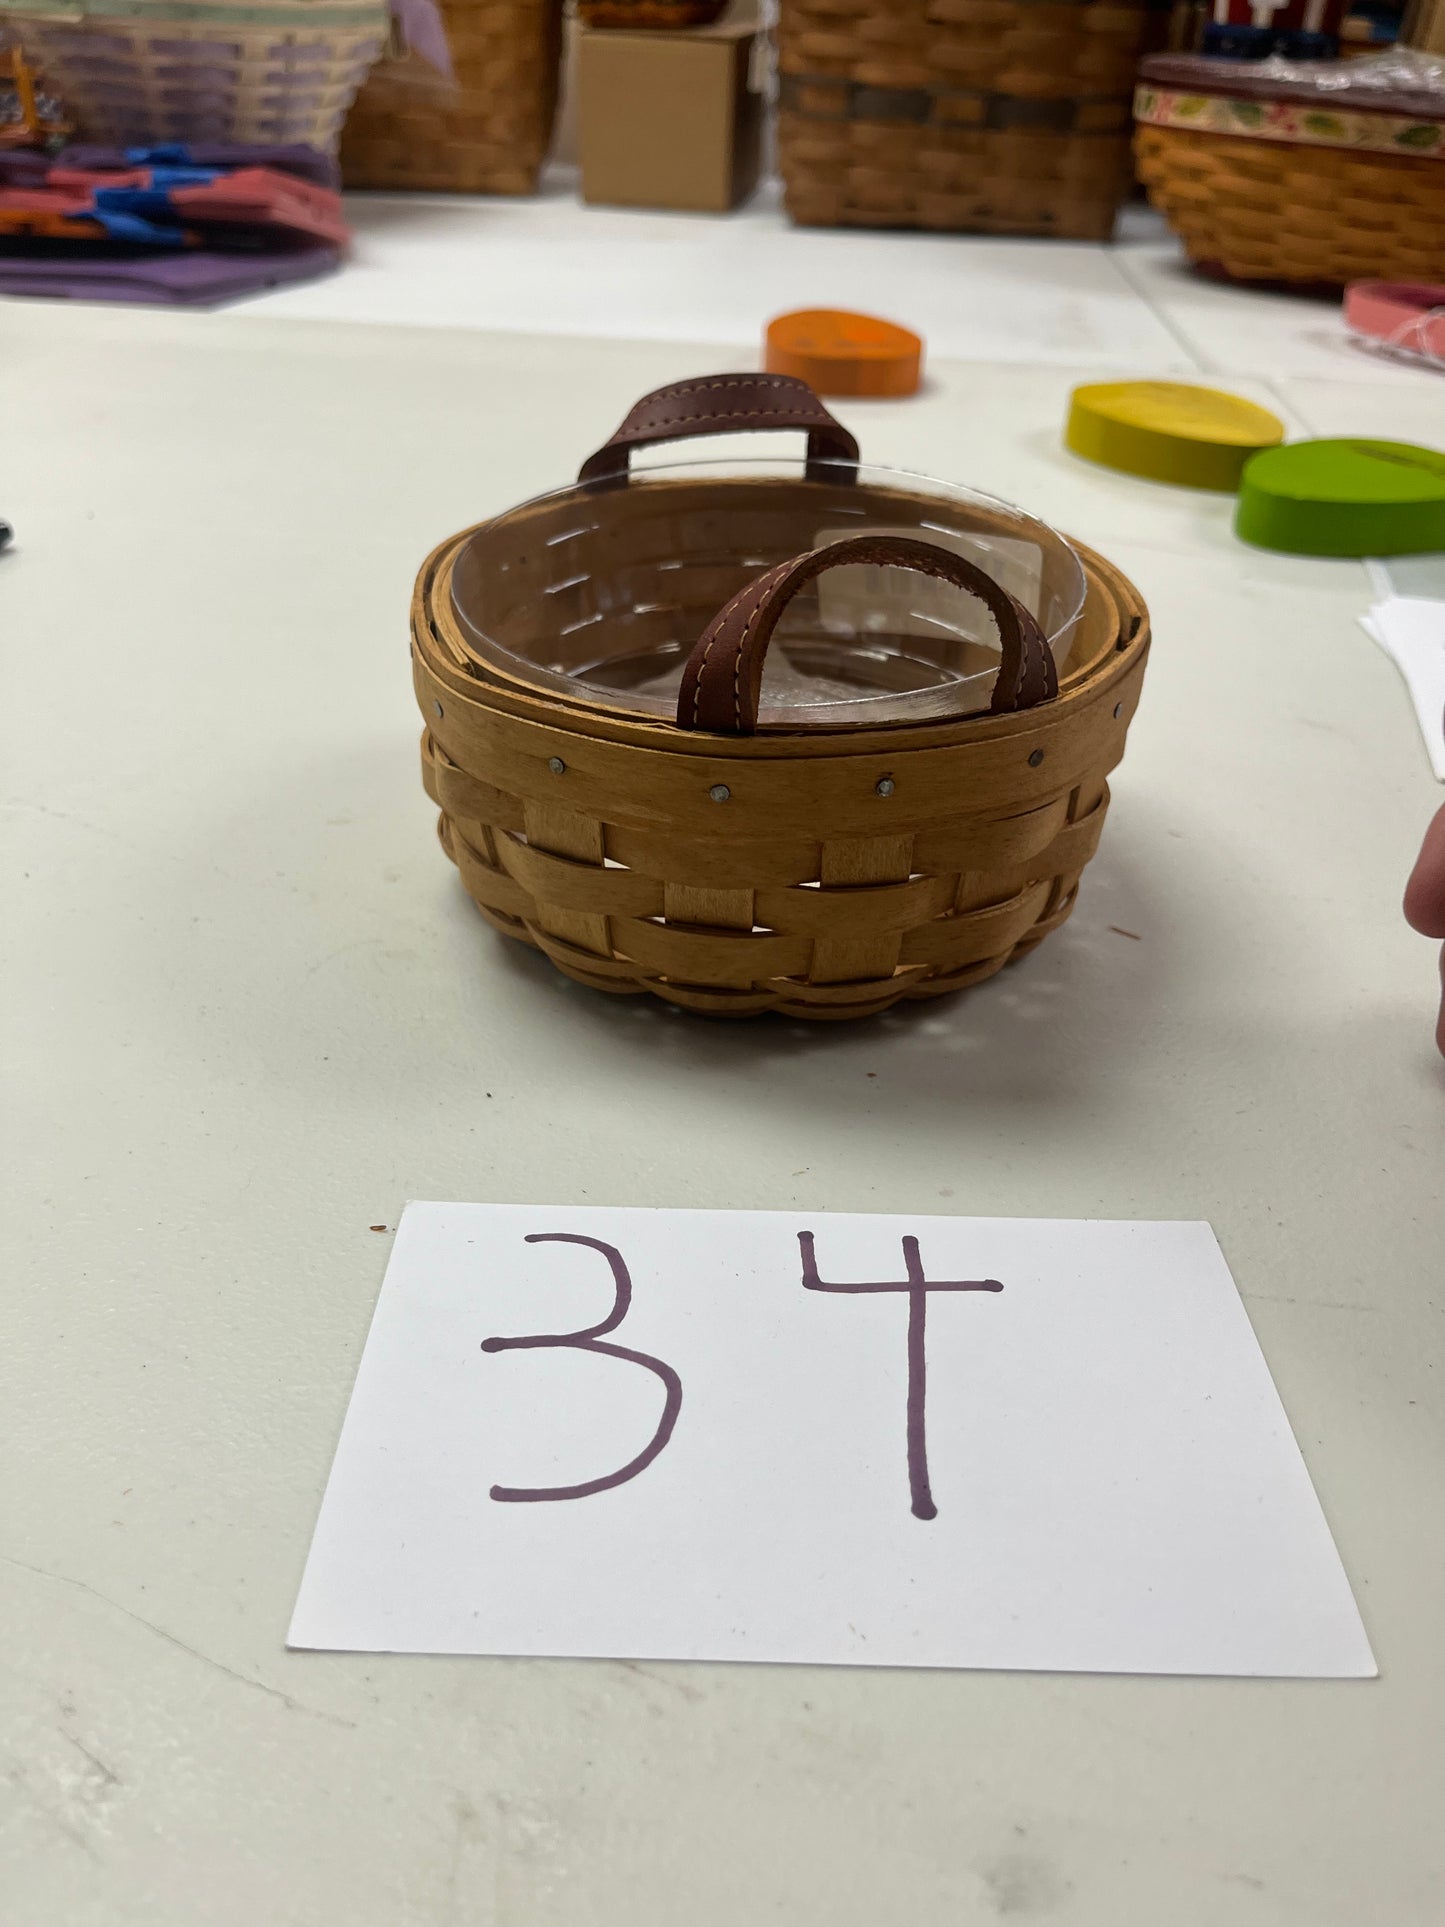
{"type": "Point", "coordinates": [724, 673]}
{"type": "Point", "coordinates": [729, 405]}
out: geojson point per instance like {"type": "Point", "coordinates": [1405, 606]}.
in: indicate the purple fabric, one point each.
{"type": "Point", "coordinates": [423, 31]}
{"type": "Point", "coordinates": [22, 169]}
{"type": "Point", "coordinates": [197, 278]}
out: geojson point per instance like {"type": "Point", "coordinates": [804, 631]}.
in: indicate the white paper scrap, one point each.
{"type": "Point", "coordinates": [1411, 631]}
{"type": "Point", "coordinates": [822, 1438]}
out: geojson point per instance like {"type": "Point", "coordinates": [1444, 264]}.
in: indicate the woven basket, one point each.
{"type": "Point", "coordinates": [816, 872]}
{"type": "Point", "coordinates": [146, 71]}
{"type": "Point", "coordinates": [28, 118]}
{"type": "Point", "coordinates": [485, 131]}
{"type": "Point", "coordinates": [1281, 202]}
{"type": "Point", "coordinates": [998, 116]}
{"type": "Point", "coordinates": [646, 15]}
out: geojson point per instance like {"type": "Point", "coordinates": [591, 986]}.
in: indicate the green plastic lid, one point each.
{"type": "Point", "coordinates": [1170, 431]}
{"type": "Point", "coordinates": [1344, 498]}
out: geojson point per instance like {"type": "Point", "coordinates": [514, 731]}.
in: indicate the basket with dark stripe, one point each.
{"type": "Point", "coordinates": [1000, 116]}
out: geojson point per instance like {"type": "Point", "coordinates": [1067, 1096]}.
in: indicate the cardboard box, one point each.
{"type": "Point", "coordinates": [667, 119]}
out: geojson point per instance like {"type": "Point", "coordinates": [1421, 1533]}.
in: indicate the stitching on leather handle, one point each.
{"type": "Point", "coordinates": [769, 582]}
{"type": "Point", "coordinates": [802, 410]}
{"type": "Point", "coordinates": [731, 381]}
{"type": "Point", "coordinates": [1032, 651]}
{"type": "Point", "coordinates": [789, 415]}
{"type": "Point", "coordinates": [764, 585]}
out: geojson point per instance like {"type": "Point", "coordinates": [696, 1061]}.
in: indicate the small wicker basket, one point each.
{"type": "Point", "coordinates": [1270, 179]}
{"type": "Point", "coordinates": [720, 863]}
{"type": "Point", "coordinates": [483, 130]}
{"type": "Point", "coordinates": [140, 72]}
{"type": "Point", "coordinates": [1000, 116]}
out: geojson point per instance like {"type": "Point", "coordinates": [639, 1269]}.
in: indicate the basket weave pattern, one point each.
{"type": "Point", "coordinates": [1268, 211]}
{"type": "Point", "coordinates": [835, 874]}
{"type": "Point", "coordinates": [646, 14]}
{"type": "Point", "coordinates": [281, 72]}
{"type": "Point", "coordinates": [486, 132]}
{"type": "Point", "coordinates": [1003, 116]}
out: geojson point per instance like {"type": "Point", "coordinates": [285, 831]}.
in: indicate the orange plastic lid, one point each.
{"type": "Point", "coordinates": [838, 353]}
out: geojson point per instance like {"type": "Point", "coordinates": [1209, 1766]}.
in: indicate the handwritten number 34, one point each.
{"type": "Point", "coordinates": [592, 1338]}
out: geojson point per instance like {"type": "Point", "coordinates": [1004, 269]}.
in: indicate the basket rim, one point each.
{"type": "Point", "coordinates": [740, 472]}
{"type": "Point", "coordinates": [568, 717]}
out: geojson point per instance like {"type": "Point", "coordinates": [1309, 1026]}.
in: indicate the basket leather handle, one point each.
{"type": "Point", "coordinates": [724, 673]}
{"type": "Point", "coordinates": [728, 405]}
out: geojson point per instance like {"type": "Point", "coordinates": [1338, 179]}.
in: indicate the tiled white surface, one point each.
{"type": "Point", "coordinates": [554, 266]}
{"type": "Point", "coordinates": [219, 861]}
{"type": "Point", "coordinates": [550, 265]}
{"type": "Point", "coordinates": [1393, 412]}
{"type": "Point", "coordinates": [1227, 327]}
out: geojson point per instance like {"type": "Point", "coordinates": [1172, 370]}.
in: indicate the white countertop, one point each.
{"type": "Point", "coordinates": [549, 264]}
{"type": "Point", "coordinates": [249, 1011]}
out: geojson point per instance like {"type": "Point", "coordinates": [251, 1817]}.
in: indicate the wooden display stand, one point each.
{"type": "Point", "coordinates": [666, 118]}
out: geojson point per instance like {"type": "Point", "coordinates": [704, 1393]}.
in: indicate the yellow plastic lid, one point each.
{"type": "Point", "coordinates": [1170, 431]}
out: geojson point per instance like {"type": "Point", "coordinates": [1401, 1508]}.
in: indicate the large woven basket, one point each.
{"type": "Point", "coordinates": [484, 129]}
{"type": "Point", "coordinates": [1272, 181]}
{"type": "Point", "coordinates": [731, 869]}
{"type": "Point", "coordinates": [1001, 116]}
{"type": "Point", "coordinates": [646, 15]}
{"type": "Point", "coordinates": [138, 72]}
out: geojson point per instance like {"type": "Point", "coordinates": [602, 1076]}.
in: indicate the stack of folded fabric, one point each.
{"type": "Point", "coordinates": [167, 224]}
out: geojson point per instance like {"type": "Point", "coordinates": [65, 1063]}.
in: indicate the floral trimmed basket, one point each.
{"type": "Point", "coordinates": [1307, 172]}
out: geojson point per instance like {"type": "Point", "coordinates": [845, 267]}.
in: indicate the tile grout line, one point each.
{"type": "Point", "coordinates": [1284, 404]}
{"type": "Point", "coordinates": [1373, 571]}
{"type": "Point", "coordinates": [1119, 258]}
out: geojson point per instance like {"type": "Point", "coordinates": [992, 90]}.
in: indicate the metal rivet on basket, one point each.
{"type": "Point", "coordinates": [719, 792]}
{"type": "Point", "coordinates": [438, 708]}
{"type": "Point", "coordinates": [556, 765]}
{"type": "Point", "coordinates": [1118, 710]}
{"type": "Point", "coordinates": [1036, 759]}
{"type": "Point", "coordinates": [884, 786]}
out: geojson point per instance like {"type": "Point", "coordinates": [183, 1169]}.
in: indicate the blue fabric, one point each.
{"type": "Point", "coordinates": [168, 154]}
{"type": "Point", "coordinates": [184, 176]}
{"type": "Point", "coordinates": [128, 214]}
{"type": "Point", "coordinates": [150, 203]}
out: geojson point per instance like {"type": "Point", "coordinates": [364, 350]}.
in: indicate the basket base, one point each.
{"type": "Point", "coordinates": [854, 870]}
{"type": "Point", "coordinates": [877, 174]}
{"type": "Point", "coordinates": [1096, 224]}
{"type": "Point", "coordinates": [781, 996]}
